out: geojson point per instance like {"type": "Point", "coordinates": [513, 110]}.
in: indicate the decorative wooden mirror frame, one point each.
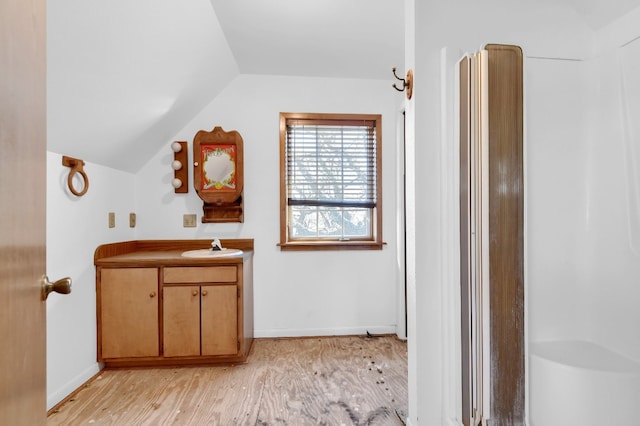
{"type": "Point", "coordinates": [218, 171]}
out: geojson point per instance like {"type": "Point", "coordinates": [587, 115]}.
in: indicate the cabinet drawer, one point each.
{"type": "Point", "coordinates": [205, 274]}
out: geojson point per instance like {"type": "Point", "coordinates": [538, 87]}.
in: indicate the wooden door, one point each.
{"type": "Point", "coordinates": [219, 320]}
{"type": "Point", "coordinates": [181, 320]}
{"type": "Point", "coordinates": [22, 209]}
{"type": "Point", "coordinates": [128, 303]}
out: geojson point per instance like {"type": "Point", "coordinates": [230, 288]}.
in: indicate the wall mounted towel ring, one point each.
{"type": "Point", "coordinates": [77, 166]}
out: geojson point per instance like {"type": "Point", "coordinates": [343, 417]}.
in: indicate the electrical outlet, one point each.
{"type": "Point", "coordinates": [132, 220]}
{"type": "Point", "coordinates": [112, 220]}
{"type": "Point", "coordinates": [189, 221]}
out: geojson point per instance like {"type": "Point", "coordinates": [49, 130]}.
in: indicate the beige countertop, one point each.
{"type": "Point", "coordinates": [166, 253]}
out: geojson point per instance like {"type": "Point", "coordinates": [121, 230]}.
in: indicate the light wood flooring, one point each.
{"type": "Point", "coordinates": [311, 381]}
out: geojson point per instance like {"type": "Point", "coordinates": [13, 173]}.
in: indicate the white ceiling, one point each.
{"type": "Point", "coordinates": [124, 77]}
{"type": "Point", "coordinates": [328, 38]}
{"type": "Point", "coordinates": [599, 13]}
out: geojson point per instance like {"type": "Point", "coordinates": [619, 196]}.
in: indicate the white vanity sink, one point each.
{"type": "Point", "coordinates": [208, 253]}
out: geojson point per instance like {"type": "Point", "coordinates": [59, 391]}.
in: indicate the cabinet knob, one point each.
{"type": "Point", "coordinates": [194, 293]}
{"type": "Point", "coordinates": [204, 292]}
{"type": "Point", "coordinates": [152, 294]}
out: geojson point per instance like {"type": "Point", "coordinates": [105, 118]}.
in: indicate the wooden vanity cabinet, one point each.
{"type": "Point", "coordinates": [219, 320]}
{"type": "Point", "coordinates": [181, 321]}
{"type": "Point", "coordinates": [155, 307]}
{"type": "Point", "coordinates": [128, 309]}
{"type": "Point", "coordinates": [201, 319]}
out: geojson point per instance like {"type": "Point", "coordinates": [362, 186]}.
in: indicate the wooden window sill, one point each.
{"type": "Point", "coordinates": [330, 245]}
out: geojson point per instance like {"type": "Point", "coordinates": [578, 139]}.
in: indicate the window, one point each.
{"type": "Point", "coordinates": [330, 192]}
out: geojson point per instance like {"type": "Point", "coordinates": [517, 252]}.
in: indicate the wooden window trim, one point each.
{"type": "Point", "coordinates": [376, 242]}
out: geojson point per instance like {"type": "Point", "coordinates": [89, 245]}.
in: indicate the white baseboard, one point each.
{"type": "Point", "coordinates": [449, 422]}
{"type": "Point", "coordinates": [72, 385]}
{"type": "Point", "coordinates": [313, 332]}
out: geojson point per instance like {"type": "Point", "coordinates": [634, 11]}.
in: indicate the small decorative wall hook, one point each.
{"type": "Point", "coordinates": [77, 166]}
{"type": "Point", "coordinates": [406, 83]}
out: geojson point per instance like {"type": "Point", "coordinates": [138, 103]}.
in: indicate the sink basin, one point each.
{"type": "Point", "coordinates": [210, 254]}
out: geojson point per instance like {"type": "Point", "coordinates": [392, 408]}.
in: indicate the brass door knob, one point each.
{"type": "Point", "coordinates": [62, 286]}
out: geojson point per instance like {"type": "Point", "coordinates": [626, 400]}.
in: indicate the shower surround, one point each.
{"type": "Point", "coordinates": [583, 237]}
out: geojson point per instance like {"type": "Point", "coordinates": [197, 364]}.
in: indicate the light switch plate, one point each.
{"type": "Point", "coordinates": [189, 221]}
{"type": "Point", "coordinates": [132, 220]}
{"type": "Point", "coordinates": [112, 220]}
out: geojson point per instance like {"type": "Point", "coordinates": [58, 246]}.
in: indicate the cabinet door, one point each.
{"type": "Point", "coordinates": [129, 312]}
{"type": "Point", "coordinates": [181, 320]}
{"type": "Point", "coordinates": [219, 320]}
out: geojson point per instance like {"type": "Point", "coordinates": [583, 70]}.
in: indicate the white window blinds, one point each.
{"type": "Point", "coordinates": [331, 163]}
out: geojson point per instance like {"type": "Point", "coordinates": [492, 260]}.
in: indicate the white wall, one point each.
{"type": "Point", "coordinates": [75, 227]}
{"type": "Point", "coordinates": [296, 293]}
{"type": "Point", "coordinates": [410, 223]}
{"type": "Point", "coordinates": [613, 260]}
{"type": "Point", "coordinates": [557, 98]}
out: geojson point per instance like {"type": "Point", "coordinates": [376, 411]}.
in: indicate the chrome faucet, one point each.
{"type": "Point", "coordinates": [216, 245]}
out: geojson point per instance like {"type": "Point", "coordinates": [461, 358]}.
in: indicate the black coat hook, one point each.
{"type": "Point", "coordinates": [406, 83]}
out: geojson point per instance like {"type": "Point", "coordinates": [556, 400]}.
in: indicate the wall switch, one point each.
{"type": "Point", "coordinates": [189, 221]}
{"type": "Point", "coordinates": [132, 220]}
{"type": "Point", "coordinates": [112, 220]}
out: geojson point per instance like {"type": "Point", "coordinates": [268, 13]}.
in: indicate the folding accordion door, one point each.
{"type": "Point", "coordinates": [492, 236]}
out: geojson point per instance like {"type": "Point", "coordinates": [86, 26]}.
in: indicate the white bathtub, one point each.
{"type": "Point", "coordinates": [581, 383]}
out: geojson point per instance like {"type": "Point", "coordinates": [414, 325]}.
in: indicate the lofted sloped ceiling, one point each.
{"type": "Point", "coordinates": [125, 76]}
